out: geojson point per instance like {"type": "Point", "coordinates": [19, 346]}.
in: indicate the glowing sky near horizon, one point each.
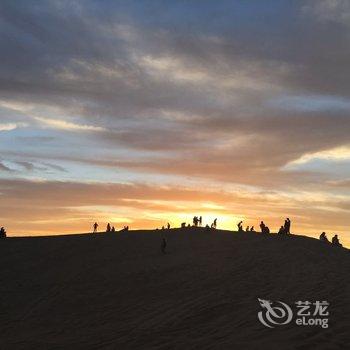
{"type": "Point", "coordinates": [141, 113]}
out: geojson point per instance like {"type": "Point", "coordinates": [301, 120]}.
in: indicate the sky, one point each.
{"type": "Point", "coordinates": [143, 112]}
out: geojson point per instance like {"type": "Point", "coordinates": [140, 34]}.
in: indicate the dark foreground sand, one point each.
{"type": "Point", "coordinates": [118, 291]}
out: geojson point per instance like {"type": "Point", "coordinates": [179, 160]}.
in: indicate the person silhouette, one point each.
{"type": "Point", "coordinates": [2, 232]}
{"type": "Point", "coordinates": [95, 226]}
{"type": "Point", "coordinates": [214, 223]}
{"type": "Point", "coordinates": [281, 231]}
{"type": "Point", "coordinates": [252, 229]}
{"type": "Point", "coordinates": [163, 245]}
{"type": "Point", "coordinates": [113, 229]}
{"type": "Point", "coordinates": [323, 237]}
{"type": "Point", "coordinates": [108, 228]}
{"type": "Point", "coordinates": [335, 241]}
{"type": "Point", "coordinates": [200, 221]}
{"type": "Point", "coordinates": [262, 227]}
{"type": "Point", "coordinates": [240, 226]}
{"type": "Point", "coordinates": [287, 224]}
{"type": "Point", "coordinates": [168, 226]}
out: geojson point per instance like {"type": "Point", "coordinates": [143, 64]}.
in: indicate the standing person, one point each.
{"type": "Point", "coordinates": [262, 227]}
{"type": "Point", "coordinates": [95, 226]}
{"type": "Point", "coordinates": [163, 245]}
{"type": "Point", "coordinates": [108, 229]}
{"type": "Point", "coordinates": [287, 226]}
{"type": "Point", "coordinates": [168, 226]}
{"type": "Point", "coordinates": [200, 221]}
{"type": "Point", "coordinates": [214, 223]}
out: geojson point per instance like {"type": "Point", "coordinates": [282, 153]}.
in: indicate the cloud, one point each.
{"type": "Point", "coordinates": [64, 125]}
{"type": "Point", "coordinates": [5, 168]}
{"type": "Point", "coordinates": [329, 10]}
{"type": "Point", "coordinates": [11, 126]}
{"type": "Point", "coordinates": [340, 183]}
{"type": "Point", "coordinates": [312, 103]}
{"type": "Point", "coordinates": [332, 155]}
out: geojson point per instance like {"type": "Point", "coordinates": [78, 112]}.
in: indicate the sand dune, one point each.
{"type": "Point", "coordinates": [117, 291]}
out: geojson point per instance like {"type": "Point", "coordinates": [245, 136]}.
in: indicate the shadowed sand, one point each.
{"type": "Point", "coordinates": [117, 291]}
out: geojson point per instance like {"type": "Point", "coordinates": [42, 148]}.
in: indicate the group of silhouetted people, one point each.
{"type": "Point", "coordinates": [197, 221]}
{"type": "Point", "coordinates": [285, 229]}
{"type": "Point", "coordinates": [264, 228]}
{"type": "Point", "coordinates": [247, 229]}
{"type": "Point", "coordinates": [2, 232]}
{"type": "Point", "coordinates": [334, 241]}
{"type": "Point", "coordinates": [109, 228]}
{"type": "Point", "coordinates": [167, 227]}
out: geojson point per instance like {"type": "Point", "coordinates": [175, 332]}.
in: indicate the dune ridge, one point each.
{"type": "Point", "coordinates": [117, 291]}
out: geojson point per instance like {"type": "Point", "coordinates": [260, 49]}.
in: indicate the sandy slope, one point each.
{"type": "Point", "coordinates": [119, 292]}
